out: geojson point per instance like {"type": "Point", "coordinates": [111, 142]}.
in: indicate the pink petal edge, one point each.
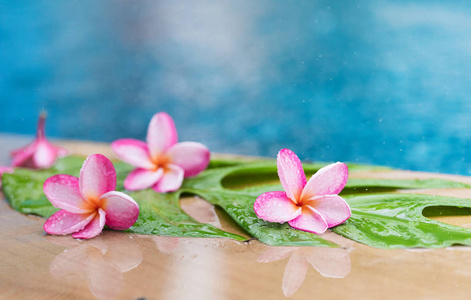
{"type": "Point", "coordinates": [141, 179]}
{"type": "Point", "coordinates": [161, 134]}
{"type": "Point", "coordinates": [291, 173]}
{"type": "Point", "coordinates": [39, 153]}
{"type": "Point", "coordinates": [64, 222]}
{"type": "Point", "coordinates": [192, 157]}
{"type": "Point", "coordinates": [276, 207]}
{"type": "Point", "coordinates": [171, 180]}
{"type": "Point", "coordinates": [63, 192]}
{"type": "Point", "coordinates": [44, 155]}
{"type": "Point", "coordinates": [310, 220]}
{"type": "Point", "coordinates": [23, 157]}
{"type": "Point", "coordinates": [6, 170]}
{"type": "Point", "coordinates": [133, 152]}
{"type": "Point", "coordinates": [330, 180]}
{"type": "Point", "coordinates": [121, 210]}
{"type": "Point", "coordinates": [97, 176]}
{"type": "Point", "coordinates": [94, 228]}
{"type": "Point", "coordinates": [333, 208]}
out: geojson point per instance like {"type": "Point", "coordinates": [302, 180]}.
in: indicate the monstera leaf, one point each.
{"type": "Point", "coordinates": [160, 214]}
{"type": "Point", "coordinates": [238, 202]}
{"type": "Point", "coordinates": [234, 184]}
{"type": "Point", "coordinates": [397, 221]}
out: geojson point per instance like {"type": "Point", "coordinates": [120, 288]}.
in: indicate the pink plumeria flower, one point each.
{"type": "Point", "coordinates": [4, 170]}
{"type": "Point", "coordinates": [161, 163]}
{"type": "Point", "coordinates": [310, 206]}
{"type": "Point", "coordinates": [89, 202]}
{"type": "Point", "coordinates": [40, 153]}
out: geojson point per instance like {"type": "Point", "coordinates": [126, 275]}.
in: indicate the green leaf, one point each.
{"type": "Point", "coordinates": [239, 206]}
{"type": "Point", "coordinates": [234, 185]}
{"type": "Point", "coordinates": [397, 221]}
{"type": "Point", "coordinates": [222, 187]}
{"type": "Point", "coordinates": [367, 185]}
{"type": "Point", "coordinates": [24, 190]}
{"type": "Point", "coordinates": [159, 213]}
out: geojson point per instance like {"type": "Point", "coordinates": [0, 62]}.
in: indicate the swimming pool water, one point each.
{"type": "Point", "coordinates": [363, 81]}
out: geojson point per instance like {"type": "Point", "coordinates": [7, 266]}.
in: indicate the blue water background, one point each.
{"type": "Point", "coordinates": [363, 81]}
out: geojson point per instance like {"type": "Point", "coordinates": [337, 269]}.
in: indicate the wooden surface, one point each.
{"type": "Point", "coordinates": [117, 265]}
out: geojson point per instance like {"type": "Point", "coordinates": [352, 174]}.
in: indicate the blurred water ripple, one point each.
{"type": "Point", "coordinates": [363, 81]}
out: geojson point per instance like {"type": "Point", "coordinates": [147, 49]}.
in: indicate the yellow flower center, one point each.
{"type": "Point", "coordinates": [160, 161]}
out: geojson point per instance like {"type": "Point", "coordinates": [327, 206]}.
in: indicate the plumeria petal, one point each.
{"type": "Point", "coordinates": [63, 192]}
{"type": "Point", "coordinates": [64, 222]}
{"type": "Point", "coordinates": [310, 220]}
{"type": "Point", "coordinates": [192, 157]}
{"type": "Point", "coordinates": [41, 138]}
{"type": "Point", "coordinates": [6, 170]}
{"type": "Point", "coordinates": [40, 153]}
{"type": "Point", "coordinates": [23, 157]}
{"type": "Point", "coordinates": [94, 228]}
{"type": "Point", "coordinates": [333, 208]}
{"type": "Point", "coordinates": [133, 152]}
{"type": "Point", "coordinates": [330, 180]}
{"type": "Point", "coordinates": [121, 210]}
{"type": "Point", "coordinates": [140, 179]}
{"type": "Point", "coordinates": [93, 192]}
{"type": "Point", "coordinates": [15, 152]}
{"type": "Point", "coordinates": [321, 207]}
{"type": "Point", "coordinates": [291, 173]}
{"type": "Point", "coordinates": [276, 207]}
{"type": "Point", "coordinates": [45, 154]}
{"type": "Point", "coordinates": [97, 176]}
{"type": "Point", "coordinates": [161, 134]}
{"type": "Point", "coordinates": [171, 180]}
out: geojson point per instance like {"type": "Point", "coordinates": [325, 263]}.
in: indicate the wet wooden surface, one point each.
{"type": "Point", "coordinates": [117, 265]}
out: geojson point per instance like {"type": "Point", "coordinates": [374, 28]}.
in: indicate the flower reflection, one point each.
{"type": "Point", "coordinates": [329, 262]}
{"type": "Point", "coordinates": [195, 268]}
{"type": "Point", "coordinates": [197, 208]}
{"type": "Point", "coordinates": [166, 244]}
{"type": "Point", "coordinates": [101, 261]}
{"type": "Point", "coordinates": [200, 210]}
